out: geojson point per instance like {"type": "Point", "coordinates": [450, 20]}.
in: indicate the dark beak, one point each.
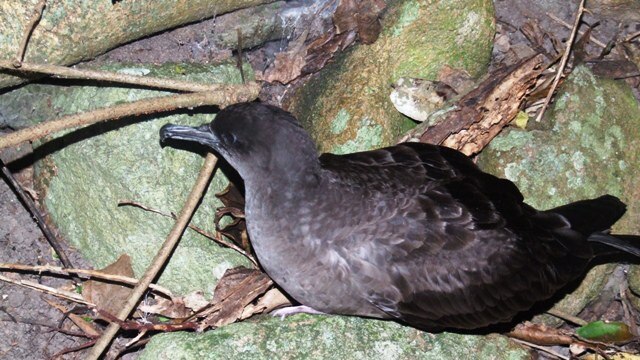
{"type": "Point", "coordinates": [201, 134]}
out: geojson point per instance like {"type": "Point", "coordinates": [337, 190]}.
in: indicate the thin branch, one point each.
{"type": "Point", "coordinates": [28, 30]}
{"type": "Point", "coordinates": [161, 257]}
{"type": "Point", "coordinates": [546, 349]}
{"type": "Point", "coordinates": [90, 273]}
{"type": "Point", "coordinates": [110, 76]}
{"type": "Point", "coordinates": [215, 237]}
{"type": "Point", "coordinates": [73, 349]}
{"type": "Point", "coordinates": [568, 26]}
{"type": "Point", "coordinates": [133, 325]}
{"type": "Point", "coordinates": [631, 36]}
{"type": "Point", "coordinates": [563, 62]}
{"type": "Point", "coordinates": [567, 317]}
{"type": "Point", "coordinates": [31, 207]}
{"type": "Point", "coordinates": [231, 94]}
{"type": "Point", "coordinates": [49, 290]}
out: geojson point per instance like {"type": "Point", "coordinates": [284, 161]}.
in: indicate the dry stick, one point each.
{"type": "Point", "coordinates": [546, 349]}
{"type": "Point", "coordinates": [101, 75]}
{"type": "Point", "coordinates": [231, 94]}
{"type": "Point", "coordinates": [48, 289]}
{"type": "Point", "coordinates": [28, 30]}
{"type": "Point", "coordinates": [568, 26]}
{"type": "Point", "coordinates": [567, 317]}
{"type": "Point", "coordinates": [217, 237]}
{"type": "Point", "coordinates": [161, 257]}
{"type": "Point", "coordinates": [91, 273]}
{"type": "Point", "coordinates": [31, 206]}
{"type": "Point", "coordinates": [631, 36]}
{"type": "Point", "coordinates": [563, 62]}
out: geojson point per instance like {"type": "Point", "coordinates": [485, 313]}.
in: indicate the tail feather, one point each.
{"type": "Point", "coordinates": [591, 216]}
{"type": "Point", "coordinates": [626, 243]}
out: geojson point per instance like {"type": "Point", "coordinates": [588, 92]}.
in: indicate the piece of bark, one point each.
{"type": "Point", "coordinates": [481, 114]}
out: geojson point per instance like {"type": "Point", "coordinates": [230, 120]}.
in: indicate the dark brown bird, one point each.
{"type": "Point", "coordinates": [413, 232]}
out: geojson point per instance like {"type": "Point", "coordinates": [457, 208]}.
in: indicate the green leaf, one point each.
{"type": "Point", "coordinates": [606, 331]}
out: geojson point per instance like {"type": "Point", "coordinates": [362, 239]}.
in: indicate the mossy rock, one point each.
{"type": "Point", "coordinates": [328, 337]}
{"type": "Point", "coordinates": [346, 107]}
{"type": "Point", "coordinates": [86, 172]}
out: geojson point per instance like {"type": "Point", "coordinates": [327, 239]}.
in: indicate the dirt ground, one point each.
{"type": "Point", "coordinates": [29, 323]}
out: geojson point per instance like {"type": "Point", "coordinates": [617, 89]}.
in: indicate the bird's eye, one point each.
{"type": "Point", "coordinates": [230, 138]}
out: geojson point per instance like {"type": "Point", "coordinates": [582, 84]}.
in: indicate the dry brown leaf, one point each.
{"type": "Point", "coordinates": [287, 65]}
{"type": "Point", "coordinates": [175, 309]}
{"type": "Point", "coordinates": [195, 301]}
{"type": "Point", "coordinates": [360, 17]}
{"type": "Point", "coordinates": [323, 49]}
{"type": "Point", "coordinates": [237, 289]}
{"type": "Point", "coordinates": [270, 301]}
{"type": "Point", "coordinates": [109, 296]}
{"type": "Point", "coordinates": [234, 207]}
{"type": "Point", "coordinates": [541, 334]}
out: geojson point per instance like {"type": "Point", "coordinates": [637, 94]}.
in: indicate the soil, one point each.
{"type": "Point", "coordinates": [29, 323]}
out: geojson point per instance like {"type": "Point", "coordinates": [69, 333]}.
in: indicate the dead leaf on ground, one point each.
{"type": "Point", "coordinates": [541, 334]}
{"type": "Point", "coordinates": [362, 17]}
{"type": "Point", "coordinates": [287, 65]}
{"type": "Point", "coordinates": [109, 296]}
{"type": "Point", "coordinates": [173, 309]}
{"type": "Point", "coordinates": [233, 202]}
{"type": "Point", "coordinates": [238, 288]}
{"type": "Point", "coordinates": [270, 301]}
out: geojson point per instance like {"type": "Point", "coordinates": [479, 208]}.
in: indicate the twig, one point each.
{"type": "Point", "coordinates": [31, 207]}
{"type": "Point", "coordinates": [631, 36]}
{"type": "Point", "coordinates": [90, 273]}
{"type": "Point", "coordinates": [132, 325]}
{"type": "Point", "coordinates": [101, 75]}
{"type": "Point", "coordinates": [49, 290]}
{"type": "Point", "coordinates": [161, 257]}
{"type": "Point", "coordinates": [229, 95]}
{"type": "Point", "coordinates": [28, 30]}
{"type": "Point", "coordinates": [217, 238]}
{"type": "Point", "coordinates": [563, 62]}
{"type": "Point", "coordinates": [73, 349]}
{"type": "Point", "coordinates": [567, 317]}
{"type": "Point", "coordinates": [541, 348]}
{"type": "Point", "coordinates": [239, 58]}
{"type": "Point", "coordinates": [568, 26]}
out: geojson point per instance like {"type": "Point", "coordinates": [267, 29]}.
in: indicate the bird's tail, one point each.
{"type": "Point", "coordinates": [594, 215]}
{"type": "Point", "coordinates": [593, 219]}
{"type": "Point", "coordinates": [626, 243]}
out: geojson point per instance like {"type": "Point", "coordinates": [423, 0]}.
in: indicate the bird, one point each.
{"type": "Point", "coordinates": [416, 233]}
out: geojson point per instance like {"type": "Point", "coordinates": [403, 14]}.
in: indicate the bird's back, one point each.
{"type": "Point", "coordinates": [439, 243]}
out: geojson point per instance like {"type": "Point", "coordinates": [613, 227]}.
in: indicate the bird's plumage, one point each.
{"type": "Point", "coordinates": [413, 232]}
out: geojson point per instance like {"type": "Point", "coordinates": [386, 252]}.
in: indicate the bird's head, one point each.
{"type": "Point", "coordinates": [255, 139]}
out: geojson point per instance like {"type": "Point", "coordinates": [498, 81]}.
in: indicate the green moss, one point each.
{"type": "Point", "coordinates": [327, 337]}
